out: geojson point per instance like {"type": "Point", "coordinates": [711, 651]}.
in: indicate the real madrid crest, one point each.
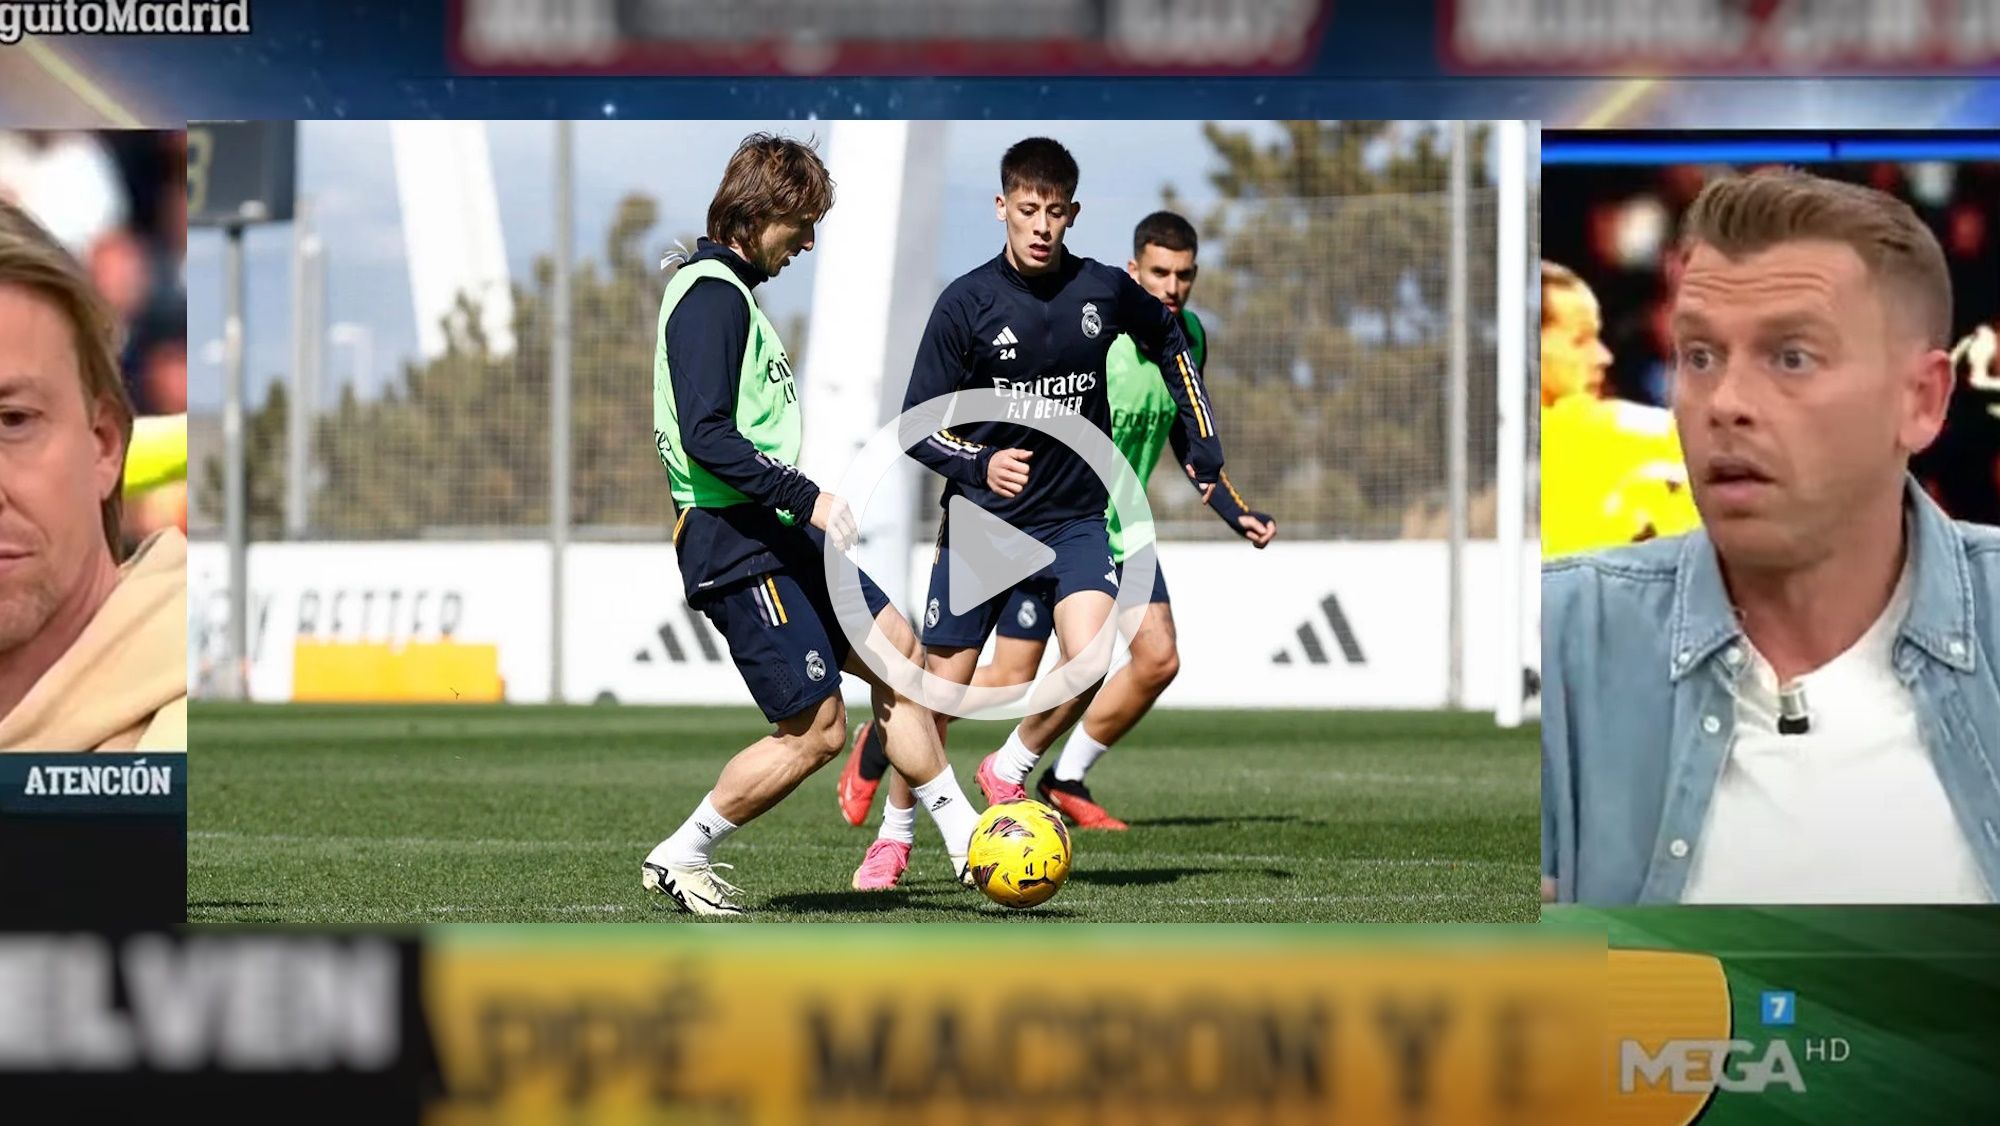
{"type": "Point", "coordinates": [1026, 614]}
{"type": "Point", "coordinates": [1091, 324]}
{"type": "Point", "coordinates": [815, 667]}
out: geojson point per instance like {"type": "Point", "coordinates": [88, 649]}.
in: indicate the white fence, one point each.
{"type": "Point", "coordinates": [1309, 625]}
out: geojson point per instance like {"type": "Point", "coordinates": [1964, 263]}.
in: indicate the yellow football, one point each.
{"type": "Point", "coordinates": [1020, 853]}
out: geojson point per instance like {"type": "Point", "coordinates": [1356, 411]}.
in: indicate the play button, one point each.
{"type": "Point", "coordinates": [988, 555]}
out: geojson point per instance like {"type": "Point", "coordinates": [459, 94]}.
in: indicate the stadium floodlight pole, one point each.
{"type": "Point", "coordinates": [360, 340]}
{"type": "Point", "coordinates": [1455, 430]}
{"type": "Point", "coordinates": [236, 680]}
{"type": "Point", "coordinates": [1511, 401]}
{"type": "Point", "coordinates": [313, 375]}
{"type": "Point", "coordinates": [559, 355]}
{"type": "Point", "coordinates": [297, 420]}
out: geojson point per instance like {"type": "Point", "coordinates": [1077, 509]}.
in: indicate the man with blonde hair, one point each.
{"type": "Point", "coordinates": [93, 652]}
{"type": "Point", "coordinates": [1799, 702]}
{"type": "Point", "coordinates": [752, 527]}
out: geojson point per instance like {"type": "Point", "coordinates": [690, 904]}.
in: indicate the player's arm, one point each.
{"type": "Point", "coordinates": [706, 338]}
{"type": "Point", "coordinates": [1157, 332]}
{"type": "Point", "coordinates": [1257, 527]}
{"type": "Point", "coordinates": [940, 370]}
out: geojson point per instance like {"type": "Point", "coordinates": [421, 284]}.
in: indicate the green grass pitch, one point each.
{"type": "Point", "coordinates": [524, 814]}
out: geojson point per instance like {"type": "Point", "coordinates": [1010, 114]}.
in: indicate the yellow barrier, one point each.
{"type": "Point", "coordinates": [355, 672]}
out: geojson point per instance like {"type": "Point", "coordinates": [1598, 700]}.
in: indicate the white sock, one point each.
{"type": "Point", "coordinates": [1016, 760]}
{"type": "Point", "coordinates": [694, 842]}
{"type": "Point", "coordinates": [953, 814]}
{"type": "Point", "coordinates": [1078, 755]}
{"type": "Point", "coordinates": [899, 825]}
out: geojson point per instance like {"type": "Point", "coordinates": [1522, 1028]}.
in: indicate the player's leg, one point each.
{"type": "Point", "coordinates": [1023, 661]}
{"type": "Point", "coordinates": [899, 812]}
{"type": "Point", "coordinates": [1082, 582]}
{"type": "Point", "coordinates": [762, 774]}
{"type": "Point", "coordinates": [1078, 618]}
{"type": "Point", "coordinates": [912, 739]}
{"type": "Point", "coordinates": [1015, 662]}
{"type": "Point", "coordinates": [682, 866]}
{"type": "Point", "coordinates": [1023, 636]}
{"type": "Point", "coordinates": [1118, 707]}
{"type": "Point", "coordinates": [899, 816]}
{"type": "Point", "coordinates": [779, 645]}
{"type": "Point", "coordinates": [1129, 695]}
{"type": "Point", "coordinates": [861, 774]}
{"type": "Point", "coordinates": [1017, 656]}
{"type": "Point", "coordinates": [952, 644]}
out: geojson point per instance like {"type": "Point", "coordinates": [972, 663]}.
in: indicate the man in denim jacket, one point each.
{"type": "Point", "coordinates": [1798, 703]}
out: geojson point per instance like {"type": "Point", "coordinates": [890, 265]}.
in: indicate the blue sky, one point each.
{"type": "Point", "coordinates": [346, 171]}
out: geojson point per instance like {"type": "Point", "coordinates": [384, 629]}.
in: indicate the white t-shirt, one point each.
{"type": "Point", "coordinates": [1850, 811]}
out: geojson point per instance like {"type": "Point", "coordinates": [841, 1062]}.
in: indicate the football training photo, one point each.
{"type": "Point", "coordinates": [914, 521]}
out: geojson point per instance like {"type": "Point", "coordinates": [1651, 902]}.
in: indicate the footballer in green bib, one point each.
{"type": "Point", "coordinates": [752, 532]}
{"type": "Point", "coordinates": [1142, 416]}
{"type": "Point", "coordinates": [767, 398]}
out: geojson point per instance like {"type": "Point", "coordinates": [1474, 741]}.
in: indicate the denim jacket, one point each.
{"type": "Point", "coordinates": [1637, 718]}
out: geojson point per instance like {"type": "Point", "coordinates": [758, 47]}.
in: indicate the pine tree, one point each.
{"type": "Point", "coordinates": [1325, 271]}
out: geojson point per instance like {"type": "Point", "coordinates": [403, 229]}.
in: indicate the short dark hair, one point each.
{"type": "Point", "coordinates": [1165, 230]}
{"type": "Point", "coordinates": [768, 179]}
{"type": "Point", "coordinates": [1039, 164]}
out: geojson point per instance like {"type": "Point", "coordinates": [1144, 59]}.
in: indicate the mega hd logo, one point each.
{"type": "Point", "coordinates": [1678, 1039]}
{"type": "Point", "coordinates": [1699, 1066]}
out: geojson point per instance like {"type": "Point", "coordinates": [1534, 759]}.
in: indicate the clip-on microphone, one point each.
{"type": "Point", "coordinates": [1793, 719]}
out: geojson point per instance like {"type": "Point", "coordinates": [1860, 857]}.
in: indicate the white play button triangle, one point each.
{"type": "Point", "coordinates": [988, 555]}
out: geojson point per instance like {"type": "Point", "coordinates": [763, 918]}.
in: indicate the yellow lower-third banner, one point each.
{"type": "Point", "coordinates": [1109, 1026]}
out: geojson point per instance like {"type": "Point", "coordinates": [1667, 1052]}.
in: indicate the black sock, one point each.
{"type": "Point", "coordinates": [874, 754]}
